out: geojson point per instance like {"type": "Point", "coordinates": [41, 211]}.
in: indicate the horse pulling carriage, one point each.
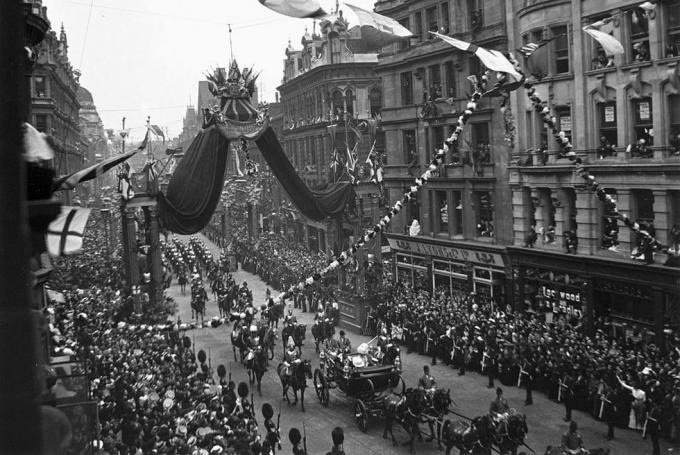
{"type": "Point", "coordinates": [360, 376]}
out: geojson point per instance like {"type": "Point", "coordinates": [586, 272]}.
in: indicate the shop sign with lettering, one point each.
{"type": "Point", "coordinates": [448, 252]}
{"type": "Point", "coordinates": [562, 301]}
{"type": "Point", "coordinates": [556, 294]}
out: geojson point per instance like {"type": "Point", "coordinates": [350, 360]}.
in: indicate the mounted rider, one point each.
{"type": "Point", "coordinates": [253, 340]}
{"type": "Point", "coordinates": [291, 356]}
{"type": "Point", "coordinates": [290, 319]}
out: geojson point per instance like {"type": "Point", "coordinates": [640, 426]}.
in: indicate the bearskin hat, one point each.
{"type": "Point", "coordinates": [242, 389]}
{"type": "Point", "coordinates": [221, 371]}
{"type": "Point", "coordinates": [294, 436]}
{"type": "Point", "coordinates": [267, 411]}
{"type": "Point", "coordinates": [201, 356]}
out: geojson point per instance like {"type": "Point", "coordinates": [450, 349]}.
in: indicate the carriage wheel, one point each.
{"type": "Point", "coordinates": [321, 387]}
{"type": "Point", "coordinates": [361, 415]}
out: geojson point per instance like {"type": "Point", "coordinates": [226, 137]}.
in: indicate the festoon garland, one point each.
{"type": "Point", "coordinates": [345, 256]}
{"type": "Point", "coordinates": [591, 183]}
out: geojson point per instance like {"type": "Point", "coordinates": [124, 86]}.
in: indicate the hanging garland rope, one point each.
{"type": "Point", "coordinates": [345, 256]}
{"type": "Point", "coordinates": [568, 151]}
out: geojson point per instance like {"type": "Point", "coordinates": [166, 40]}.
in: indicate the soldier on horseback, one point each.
{"type": "Point", "coordinates": [291, 356]}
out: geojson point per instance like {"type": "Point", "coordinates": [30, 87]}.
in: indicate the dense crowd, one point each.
{"type": "Point", "coordinates": [621, 381]}
{"type": "Point", "coordinates": [155, 394]}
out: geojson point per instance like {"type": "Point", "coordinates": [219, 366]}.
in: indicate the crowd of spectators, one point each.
{"type": "Point", "coordinates": [470, 332]}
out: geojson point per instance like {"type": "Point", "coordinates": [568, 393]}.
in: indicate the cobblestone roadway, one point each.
{"type": "Point", "coordinates": [470, 393]}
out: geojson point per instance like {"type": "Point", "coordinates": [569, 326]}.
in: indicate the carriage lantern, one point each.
{"type": "Point", "coordinates": [345, 368]}
{"type": "Point", "coordinates": [397, 362]}
{"type": "Point", "coordinates": [322, 360]}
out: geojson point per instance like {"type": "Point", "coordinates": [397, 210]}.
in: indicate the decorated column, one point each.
{"type": "Point", "coordinates": [154, 259]}
{"type": "Point", "coordinates": [130, 247]}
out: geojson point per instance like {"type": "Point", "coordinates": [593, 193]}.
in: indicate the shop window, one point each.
{"type": "Point", "coordinates": [41, 123]}
{"type": "Point", "coordinates": [435, 81]}
{"type": "Point", "coordinates": [561, 49]}
{"type": "Point", "coordinates": [643, 126]}
{"type": "Point", "coordinates": [674, 127]}
{"type": "Point", "coordinates": [375, 99]}
{"type": "Point", "coordinates": [409, 147]}
{"type": "Point", "coordinates": [484, 212]}
{"type": "Point", "coordinates": [672, 14]}
{"type": "Point", "coordinates": [639, 35]}
{"type": "Point", "coordinates": [40, 87]}
{"type": "Point", "coordinates": [418, 26]}
{"type": "Point", "coordinates": [442, 207]}
{"type": "Point", "coordinates": [610, 224]}
{"type": "Point", "coordinates": [608, 131]}
{"type": "Point", "coordinates": [458, 213]}
{"type": "Point", "coordinates": [444, 28]}
{"type": "Point", "coordinates": [405, 43]}
{"type": "Point", "coordinates": [406, 88]}
{"type": "Point", "coordinates": [431, 17]}
{"type": "Point", "coordinates": [450, 79]}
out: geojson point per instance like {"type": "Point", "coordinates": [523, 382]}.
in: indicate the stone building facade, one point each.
{"type": "Point", "coordinates": [622, 114]}
{"type": "Point", "coordinates": [328, 87]}
{"type": "Point", "coordinates": [465, 208]}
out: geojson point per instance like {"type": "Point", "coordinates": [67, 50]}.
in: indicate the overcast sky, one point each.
{"type": "Point", "coordinates": [145, 57]}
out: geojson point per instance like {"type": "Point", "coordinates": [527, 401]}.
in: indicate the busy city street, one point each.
{"type": "Point", "coordinates": [470, 392]}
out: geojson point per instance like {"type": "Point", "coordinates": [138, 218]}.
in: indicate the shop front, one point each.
{"type": "Point", "coordinates": [625, 298]}
{"type": "Point", "coordinates": [430, 264]}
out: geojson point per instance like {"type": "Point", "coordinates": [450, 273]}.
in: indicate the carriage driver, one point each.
{"type": "Point", "coordinates": [572, 442]}
{"type": "Point", "coordinates": [426, 381]}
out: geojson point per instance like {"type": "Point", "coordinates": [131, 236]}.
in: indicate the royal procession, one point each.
{"type": "Point", "coordinates": [450, 226]}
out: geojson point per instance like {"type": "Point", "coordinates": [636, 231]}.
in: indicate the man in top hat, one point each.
{"type": "Point", "coordinates": [499, 405]}
{"type": "Point", "coordinates": [427, 381]}
{"type": "Point", "coordinates": [343, 342]}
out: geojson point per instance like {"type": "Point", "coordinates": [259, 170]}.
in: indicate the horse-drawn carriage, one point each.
{"type": "Point", "coordinates": [365, 376]}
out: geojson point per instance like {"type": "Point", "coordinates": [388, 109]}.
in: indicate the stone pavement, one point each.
{"type": "Point", "coordinates": [472, 398]}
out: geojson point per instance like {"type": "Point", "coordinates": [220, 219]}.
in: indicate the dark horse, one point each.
{"type": "Point", "coordinates": [297, 331]}
{"type": "Point", "coordinates": [405, 410]}
{"type": "Point", "coordinates": [238, 340]}
{"type": "Point", "coordinates": [512, 429]}
{"type": "Point", "coordinates": [437, 406]}
{"type": "Point", "coordinates": [322, 330]}
{"type": "Point", "coordinates": [256, 364]}
{"type": "Point", "coordinates": [476, 436]}
{"type": "Point", "coordinates": [268, 340]}
{"type": "Point", "coordinates": [295, 377]}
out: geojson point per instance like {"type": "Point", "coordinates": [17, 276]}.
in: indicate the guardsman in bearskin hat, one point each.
{"type": "Point", "coordinates": [295, 437]}
{"type": "Point", "coordinates": [272, 429]}
{"type": "Point", "coordinates": [242, 408]}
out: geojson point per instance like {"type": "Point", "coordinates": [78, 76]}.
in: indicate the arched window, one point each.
{"type": "Point", "coordinates": [349, 98]}
{"type": "Point", "coordinates": [338, 103]}
{"type": "Point", "coordinates": [375, 101]}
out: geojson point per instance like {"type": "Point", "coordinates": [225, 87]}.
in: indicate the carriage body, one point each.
{"type": "Point", "coordinates": [367, 384]}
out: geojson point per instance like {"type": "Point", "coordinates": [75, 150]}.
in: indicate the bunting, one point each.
{"type": "Point", "coordinates": [65, 234]}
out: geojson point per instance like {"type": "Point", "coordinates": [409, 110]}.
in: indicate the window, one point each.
{"type": "Point", "coordinates": [674, 111]}
{"type": "Point", "coordinates": [349, 99]}
{"type": "Point", "coordinates": [475, 14]}
{"type": "Point", "coordinates": [484, 213]}
{"type": "Point", "coordinates": [375, 101]}
{"type": "Point", "coordinates": [431, 18]}
{"type": "Point", "coordinates": [481, 148]}
{"type": "Point", "coordinates": [644, 202]}
{"type": "Point", "coordinates": [547, 213]}
{"type": "Point", "coordinates": [41, 123]}
{"type": "Point", "coordinates": [406, 88]}
{"type": "Point", "coordinates": [608, 121]}
{"type": "Point", "coordinates": [39, 86]}
{"type": "Point", "coordinates": [457, 213]}
{"type": "Point", "coordinates": [450, 80]}
{"type": "Point", "coordinates": [672, 10]}
{"type": "Point", "coordinates": [643, 120]}
{"type": "Point", "coordinates": [435, 81]}
{"type": "Point", "coordinates": [444, 18]}
{"type": "Point", "coordinates": [639, 35]}
{"type": "Point", "coordinates": [338, 104]}
{"type": "Point", "coordinates": [609, 223]}
{"type": "Point", "coordinates": [418, 26]}
{"type": "Point", "coordinates": [405, 43]}
{"type": "Point", "coordinates": [561, 49]}
{"type": "Point", "coordinates": [570, 209]}
{"type": "Point", "coordinates": [409, 147]}
{"type": "Point", "coordinates": [438, 136]}
{"type": "Point", "coordinates": [564, 120]}
{"type": "Point", "coordinates": [441, 216]}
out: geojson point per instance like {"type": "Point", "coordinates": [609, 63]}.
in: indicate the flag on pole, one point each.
{"type": "Point", "coordinates": [68, 182]}
{"type": "Point", "coordinates": [610, 45]}
{"type": "Point", "coordinates": [65, 234]}
{"type": "Point", "coordinates": [492, 59]}
{"type": "Point", "coordinates": [157, 131]}
{"type": "Point", "coordinates": [351, 161]}
{"type": "Point", "coordinates": [377, 29]}
{"type": "Point", "coordinates": [36, 146]}
{"type": "Point", "coordinates": [296, 8]}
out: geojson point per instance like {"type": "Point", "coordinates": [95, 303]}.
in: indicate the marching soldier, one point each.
{"type": "Point", "coordinates": [295, 437]}
{"type": "Point", "coordinates": [272, 431]}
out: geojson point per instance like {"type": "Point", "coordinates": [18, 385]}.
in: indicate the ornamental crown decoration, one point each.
{"type": "Point", "coordinates": [236, 85]}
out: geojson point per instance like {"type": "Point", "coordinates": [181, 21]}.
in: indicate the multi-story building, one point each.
{"type": "Point", "coordinates": [622, 114]}
{"type": "Point", "coordinates": [54, 102]}
{"type": "Point", "coordinates": [328, 88]}
{"type": "Point", "coordinates": [94, 136]}
{"type": "Point", "coordinates": [464, 210]}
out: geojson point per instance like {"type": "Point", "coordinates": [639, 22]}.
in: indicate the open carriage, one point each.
{"type": "Point", "coordinates": [364, 377]}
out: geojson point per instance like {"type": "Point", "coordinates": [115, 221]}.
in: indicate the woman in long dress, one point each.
{"type": "Point", "coordinates": [637, 410]}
